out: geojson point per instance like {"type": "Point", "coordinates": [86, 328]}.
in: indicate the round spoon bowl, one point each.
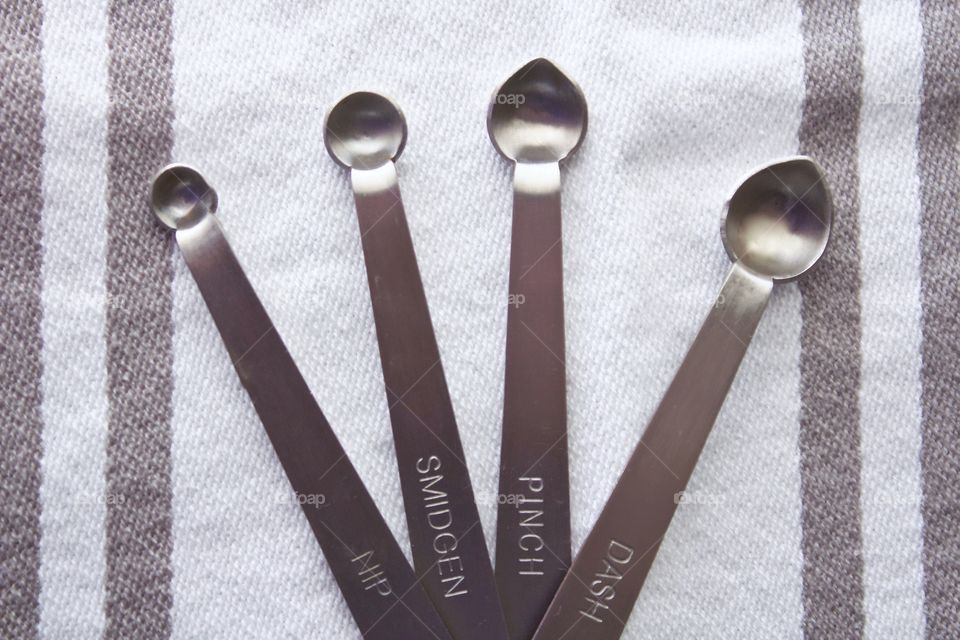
{"type": "Point", "coordinates": [777, 222]}
{"type": "Point", "coordinates": [364, 131]}
{"type": "Point", "coordinates": [181, 197]}
{"type": "Point", "coordinates": [538, 114]}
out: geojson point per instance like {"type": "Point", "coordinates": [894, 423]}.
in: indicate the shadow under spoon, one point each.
{"type": "Point", "coordinates": [365, 132]}
{"type": "Point", "coordinates": [375, 578]}
{"type": "Point", "coordinates": [537, 118]}
{"type": "Point", "coordinates": [776, 227]}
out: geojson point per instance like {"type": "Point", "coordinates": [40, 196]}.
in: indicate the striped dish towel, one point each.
{"type": "Point", "coordinates": [141, 497]}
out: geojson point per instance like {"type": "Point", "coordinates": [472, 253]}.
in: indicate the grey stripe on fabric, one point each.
{"type": "Point", "coordinates": [21, 195]}
{"type": "Point", "coordinates": [939, 137]}
{"type": "Point", "coordinates": [139, 324]}
{"type": "Point", "coordinates": [830, 357]}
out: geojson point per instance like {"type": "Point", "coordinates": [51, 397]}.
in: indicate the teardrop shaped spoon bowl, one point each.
{"type": "Point", "coordinates": [536, 119]}
{"type": "Point", "coordinates": [538, 115]}
{"type": "Point", "coordinates": [777, 222]}
{"type": "Point", "coordinates": [776, 227]}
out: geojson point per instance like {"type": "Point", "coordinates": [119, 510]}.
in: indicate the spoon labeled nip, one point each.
{"type": "Point", "coordinates": [375, 578]}
{"type": "Point", "coordinates": [776, 227]}
{"type": "Point", "coordinates": [537, 118]}
{"type": "Point", "coordinates": [365, 132]}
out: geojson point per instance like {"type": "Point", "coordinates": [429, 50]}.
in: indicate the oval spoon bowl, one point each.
{"type": "Point", "coordinates": [180, 196]}
{"type": "Point", "coordinates": [364, 130]}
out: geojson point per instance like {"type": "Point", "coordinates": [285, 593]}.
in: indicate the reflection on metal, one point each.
{"type": "Point", "coordinates": [376, 580]}
{"type": "Point", "coordinates": [776, 227]}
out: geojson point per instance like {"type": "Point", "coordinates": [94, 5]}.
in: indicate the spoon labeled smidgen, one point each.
{"type": "Point", "coordinates": [375, 578]}
{"type": "Point", "coordinates": [537, 118]}
{"type": "Point", "coordinates": [365, 132]}
{"type": "Point", "coordinates": [776, 227]}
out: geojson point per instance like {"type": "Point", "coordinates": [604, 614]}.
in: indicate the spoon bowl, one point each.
{"type": "Point", "coordinates": [538, 114]}
{"type": "Point", "coordinates": [364, 131]}
{"type": "Point", "coordinates": [180, 196]}
{"type": "Point", "coordinates": [778, 220]}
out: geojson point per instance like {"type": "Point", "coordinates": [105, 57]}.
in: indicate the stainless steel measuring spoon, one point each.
{"type": "Point", "coordinates": [776, 227]}
{"type": "Point", "coordinates": [365, 132]}
{"type": "Point", "coordinates": [374, 576]}
{"type": "Point", "coordinates": [537, 118]}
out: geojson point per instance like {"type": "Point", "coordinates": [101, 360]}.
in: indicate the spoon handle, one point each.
{"type": "Point", "coordinates": [446, 537]}
{"type": "Point", "coordinates": [533, 519]}
{"type": "Point", "coordinates": [599, 592]}
{"type": "Point", "coordinates": [376, 581]}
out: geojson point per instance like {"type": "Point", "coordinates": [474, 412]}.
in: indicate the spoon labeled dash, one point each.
{"type": "Point", "coordinates": [375, 578]}
{"type": "Point", "coordinates": [776, 228]}
{"type": "Point", "coordinates": [365, 132]}
{"type": "Point", "coordinates": [537, 118]}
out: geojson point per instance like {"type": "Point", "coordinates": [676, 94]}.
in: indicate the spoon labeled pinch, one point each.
{"type": "Point", "coordinates": [365, 132]}
{"type": "Point", "coordinates": [375, 578]}
{"type": "Point", "coordinates": [776, 227]}
{"type": "Point", "coordinates": [537, 118]}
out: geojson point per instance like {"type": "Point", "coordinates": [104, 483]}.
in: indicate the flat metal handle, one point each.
{"type": "Point", "coordinates": [598, 594]}
{"type": "Point", "coordinates": [446, 537]}
{"type": "Point", "coordinates": [533, 518]}
{"type": "Point", "coordinates": [376, 581]}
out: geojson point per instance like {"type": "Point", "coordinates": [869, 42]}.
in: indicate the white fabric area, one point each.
{"type": "Point", "coordinates": [73, 493]}
{"type": "Point", "coordinates": [890, 391]}
{"type": "Point", "coordinates": [681, 107]}
{"type": "Point", "coordinates": [683, 102]}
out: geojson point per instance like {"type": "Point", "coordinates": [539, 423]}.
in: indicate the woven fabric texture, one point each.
{"type": "Point", "coordinates": [139, 494]}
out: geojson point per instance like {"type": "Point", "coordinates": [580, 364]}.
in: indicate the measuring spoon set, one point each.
{"type": "Point", "coordinates": [775, 228]}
